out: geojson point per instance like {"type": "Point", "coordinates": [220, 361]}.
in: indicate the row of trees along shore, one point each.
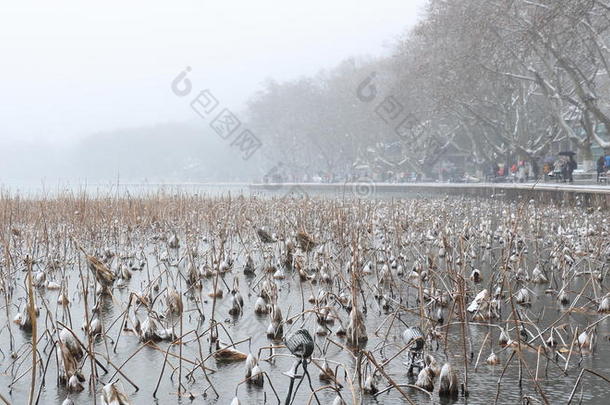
{"type": "Point", "coordinates": [492, 79]}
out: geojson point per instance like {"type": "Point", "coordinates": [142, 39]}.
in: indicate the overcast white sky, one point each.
{"type": "Point", "coordinates": [71, 68]}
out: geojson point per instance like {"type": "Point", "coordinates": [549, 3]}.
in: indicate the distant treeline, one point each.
{"type": "Point", "coordinates": [491, 79]}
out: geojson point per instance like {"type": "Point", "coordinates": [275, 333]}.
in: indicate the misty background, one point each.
{"type": "Point", "coordinates": [85, 88]}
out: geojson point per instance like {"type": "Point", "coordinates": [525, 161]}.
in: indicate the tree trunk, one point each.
{"type": "Point", "coordinates": [584, 150]}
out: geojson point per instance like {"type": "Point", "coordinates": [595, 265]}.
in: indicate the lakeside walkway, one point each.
{"type": "Point", "coordinates": [435, 187]}
{"type": "Point", "coordinates": [591, 194]}
{"type": "Point", "coordinates": [588, 195]}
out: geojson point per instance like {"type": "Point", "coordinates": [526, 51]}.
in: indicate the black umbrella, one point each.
{"type": "Point", "coordinates": [567, 153]}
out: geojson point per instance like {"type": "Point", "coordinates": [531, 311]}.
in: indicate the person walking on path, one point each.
{"type": "Point", "coordinates": [559, 169]}
{"type": "Point", "coordinates": [569, 168]}
{"type": "Point", "coordinates": [601, 167]}
{"type": "Point", "coordinates": [521, 173]}
{"type": "Point", "coordinates": [535, 169]}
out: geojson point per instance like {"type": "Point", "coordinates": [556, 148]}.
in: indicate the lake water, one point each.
{"type": "Point", "coordinates": [117, 230]}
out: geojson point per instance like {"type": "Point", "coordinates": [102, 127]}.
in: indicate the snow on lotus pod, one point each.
{"type": "Point", "coordinates": [149, 330]}
{"type": "Point", "coordinates": [257, 377]}
{"type": "Point", "coordinates": [431, 364]}
{"type": "Point", "coordinates": [441, 252]}
{"type": "Point", "coordinates": [279, 274]}
{"type": "Point", "coordinates": [74, 384]}
{"type": "Point", "coordinates": [225, 265]}
{"type": "Point", "coordinates": [326, 373]}
{"type": "Point", "coordinates": [311, 299]}
{"type": "Point", "coordinates": [493, 359]}
{"type": "Point", "coordinates": [604, 305]}
{"type": "Point", "coordinates": [414, 276]}
{"type": "Point", "coordinates": [205, 271]}
{"type": "Point", "coordinates": [522, 274]}
{"type": "Point", "coordinates": [249, 267]}
{"type": "Point", "coordinates": [385, 276]}
{"type": "Point", "coordinates": [69, 366]}
{"type": "Point", "coordinates": [338, 400]}
{"type": "Point", "coordinates": [475, 276]}
{"type": "Point", "coordinates": [586, 338]}
{"type": "Point", "coordinates": [112, 395]}
{"type": "Point", "coordinates": [23, 318]}
{"type": "Point", "coordinates": [260, 306]}
{"type": "Point", "coordinates": [425, 379]}
{"type": "Point", "coordinates": [238, 297]}
{"type": "Point", "coordinates": [174, 303]}
{"type": "Point", "coordinates": [476, 303]}
{"type": "Point", "coordinates": [495, 306]}
{"type": "Point", "coordinates": [235, 306]}
{"type": "Point", "coordinates": [124, 272]}
{"type": "Point", "coordinates": [193, 277]}
{"type": "Point", "coordinates": [538, 276]}
{"type": "Point", "coordinates": [370, 387]}
{"type": "Point", "coordinates": [504, 338]}
{"type": "Point", "coordinates": [300, 343]}
{"type": "Point", "coordinates": [321, 330]}
{"type": "Point", "coordinates": [563, 298]}
{"type": "Point", "coordinates": [39, 279]}
{"type": "Point", "coordinates": [551, 341]}
{"type": "Point", "coordinates": [440, 317]}
{"type": "Point", "coordinates": [367, 268]}
{"type": "Point", "coordinates": [167, 334]}
{"type": "Point", "coordinates": [305, 241]}
{"type": "Point", "coordinates": [251, 361]}
{"type": "Point", "coordinates": [102, 274]}
{"type": "Point", "coordinates": [276, 314]}
{"type": "Point", "coordinates": [523, 296]}
{"type": "Point", "coordinates": [448, 386]}
{"type": "Point", "coordinates": [275, 330]}
{"type": "Point", "coordinates": [95, 326]}
{"type": "Point", "coordinates": [68, 340]}
{"type": "Point", "coordinates": [174, 242]}
{"type": "Point", "coordinates": [356, 329]}
{"type": "Point", "coordinates": [235, 401]}
{"type": "Point", "coordinates": [63, 299]}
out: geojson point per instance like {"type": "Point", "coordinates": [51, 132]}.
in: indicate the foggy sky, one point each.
{"type": "Point", "coordinates": [71, 68]}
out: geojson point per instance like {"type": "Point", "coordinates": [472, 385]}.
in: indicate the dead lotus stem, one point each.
{"type": "Point", "coordinates": [32, 314]}
{"type": "Point", "coordinates": [118, 370]}
{"type": "Point", "coordinates": [388, 378]}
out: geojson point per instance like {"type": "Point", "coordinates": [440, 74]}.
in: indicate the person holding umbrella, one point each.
{"type": "Point", "coordinates": [569, 166]}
